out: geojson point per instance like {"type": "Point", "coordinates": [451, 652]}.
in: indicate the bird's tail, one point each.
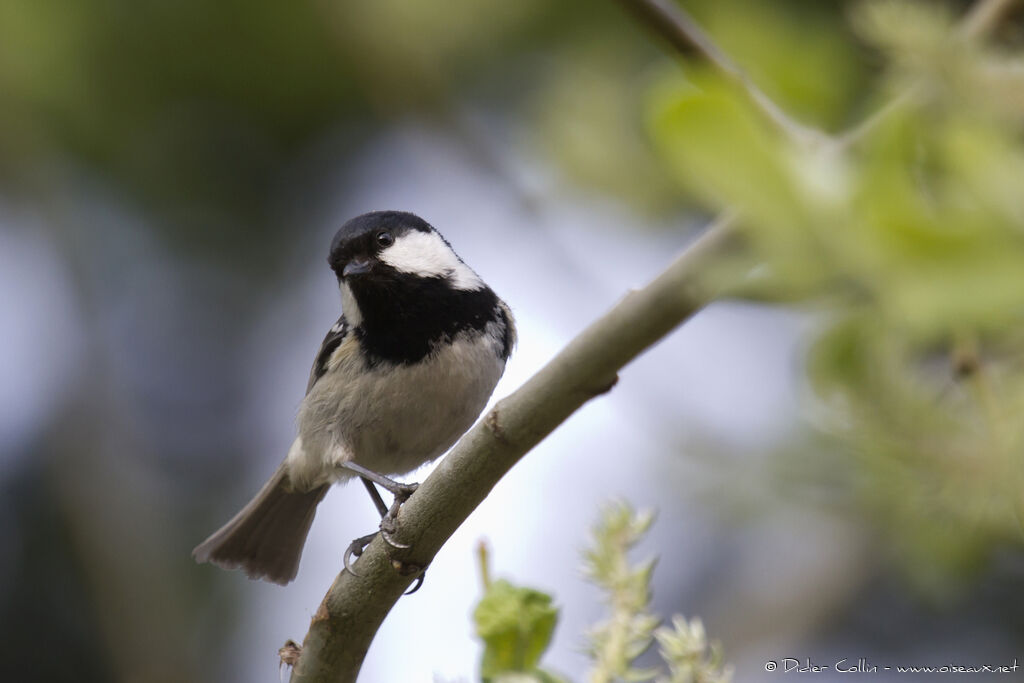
{"type": "Point", "coordinates": [266, 537]}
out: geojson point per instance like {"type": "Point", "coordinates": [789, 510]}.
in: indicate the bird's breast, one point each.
{"type": "Point", "coordinates": [392, 418]}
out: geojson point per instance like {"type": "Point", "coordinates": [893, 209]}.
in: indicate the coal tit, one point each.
{"type": "Point", "coordinates": [405, 371]}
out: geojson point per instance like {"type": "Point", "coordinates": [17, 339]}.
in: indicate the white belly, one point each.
{"type": "Point", "coordinates": [392, 418]}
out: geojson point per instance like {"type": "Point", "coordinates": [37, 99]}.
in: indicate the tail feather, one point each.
{"type": "Point", "coordinates": [266, 538]}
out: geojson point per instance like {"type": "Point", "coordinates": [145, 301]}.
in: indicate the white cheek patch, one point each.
{"type": "Point", "coordinates": [349, 307]}
{"type": "Point", "coordinates": [425, 254]}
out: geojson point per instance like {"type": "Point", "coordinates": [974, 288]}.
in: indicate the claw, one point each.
{"type": "Point", "coordinates": [419, 583]}
{"type": "Point", "coordinates": [389, 525]}
{"type": "Point", "coordinates": [355, 549]}
{"type": "Point", "coordinates": [348, 565]}
{"type": "Point", "coordinates": [386, 535]}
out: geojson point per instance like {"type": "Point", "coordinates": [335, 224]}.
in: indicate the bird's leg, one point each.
{"type": "Point", "coordinates": [356, 547]}
{"type": "Point", "coordinates": [399, 490]}
{"type": "Point", "coordinates": [382, 508]}
{"type": "Point", "coordinates": [389, 516]}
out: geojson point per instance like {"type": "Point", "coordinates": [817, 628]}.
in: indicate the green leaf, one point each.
{"type": "Point", "coordinates": [722, 150]}
{"type": "Point", "coordinates": [535, 677]}
{"type": "Point", "coordinates": [804, 60]}
{"type": "Point", "coordinates": [516, 625]}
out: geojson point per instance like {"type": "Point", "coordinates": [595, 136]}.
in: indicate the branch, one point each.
{"type": "Point", "coordinates": [355, 606]}
{"type": "Point", "coordinates": [674, 24]}
{"type": "Point", "coordinates": [983, 17]}
{"type": "Point", "coordinates": [670, 21]}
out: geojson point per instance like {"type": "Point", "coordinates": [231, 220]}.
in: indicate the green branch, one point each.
{"type": "Point", "coordinates": [673, 24]}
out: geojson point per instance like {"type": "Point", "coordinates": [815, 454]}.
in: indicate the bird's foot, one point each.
{"type": "Point", "coordinates": [389, 526]}
{"type": "Point", "coordinates": [355, 550]}
{"type": "Point", "coordinates": [403, 491]}
{"type": "Point", "coordinates": [389, 522]}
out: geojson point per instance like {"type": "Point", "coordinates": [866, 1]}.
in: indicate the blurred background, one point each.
{"type": "Point", "coordinates": [834, 453]}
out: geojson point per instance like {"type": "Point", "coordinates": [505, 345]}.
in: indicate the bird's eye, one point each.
{"type": "Point", "coordinates": [385, 239]}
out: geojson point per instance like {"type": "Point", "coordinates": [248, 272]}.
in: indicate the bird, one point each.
{"type": "Point", "coordinates": [405, 371]}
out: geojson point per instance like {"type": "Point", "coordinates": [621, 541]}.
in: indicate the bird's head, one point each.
{"type": "Point", "coordinates": [385, 246]}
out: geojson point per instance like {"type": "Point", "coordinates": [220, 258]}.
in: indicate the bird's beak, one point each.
{"type": "Point", "coordinates": [356, 267]}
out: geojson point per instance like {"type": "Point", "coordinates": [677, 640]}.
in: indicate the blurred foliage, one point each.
{"type": "Point", "coordinates": [414, 51]}
{"type": "Point", "coordinates": [629, 630]}
{"type": "Point", "coordinates": [198, 111]}
{"type": "Point", "coordinates": [911, 237]}
{"type": "Point", "coordinates": [690, 658]}
{"type": "Point", "coordinates": [803, 59]}
{"type": "Point", "coordinates": [516, 623]}
{"type": "Point", "coordinates": [586, 116]}
{"type": "Point", "coordinates": [189, 109]}
{"type": "Point", "coordinates": [617, 643]}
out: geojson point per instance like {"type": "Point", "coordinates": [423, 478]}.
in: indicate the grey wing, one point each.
{"type": "Point", "coordinates": [509, 335]}
{"type": "Point", "coordinates": [331, 342]}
